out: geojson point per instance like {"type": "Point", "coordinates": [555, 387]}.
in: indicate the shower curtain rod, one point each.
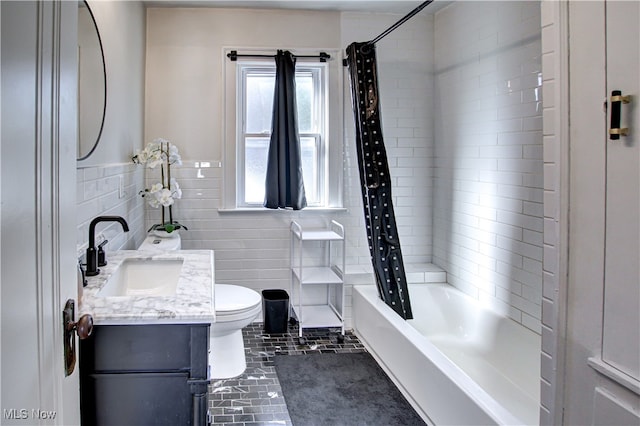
{"type": "Point", "coordinates": [393, 27]}
{"type": "Point", "coordinates": [400, 22]}
{"type": "Point", "coordinates": [233, 55]}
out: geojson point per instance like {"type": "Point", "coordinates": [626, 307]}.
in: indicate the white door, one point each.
{"type": "Point", "coordinates": [38, 226]}
{"type": "Point", "coordinates": [621, 323]}
{"type": "Point", "coordinates": [598, 353]}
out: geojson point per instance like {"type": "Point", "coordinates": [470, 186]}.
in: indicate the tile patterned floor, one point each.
{"type": "Point", "coordinates": [255, 398]}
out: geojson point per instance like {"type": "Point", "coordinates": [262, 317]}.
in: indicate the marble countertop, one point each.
{"type": "Point", "coordinates": [192, 303]}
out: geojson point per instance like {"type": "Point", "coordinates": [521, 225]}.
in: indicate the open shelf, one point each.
{"type": "Point", "coordinates": [317, 275]}
{"type": "Point", "coordinates": [317, 316]}
{"type": "Point", "coordinates": [330, 274]}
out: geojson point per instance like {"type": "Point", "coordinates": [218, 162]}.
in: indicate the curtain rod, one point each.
{"type": "Point", "coordinates": [400, 22]}
{"type": "Point", "coordinates": [233, 55]}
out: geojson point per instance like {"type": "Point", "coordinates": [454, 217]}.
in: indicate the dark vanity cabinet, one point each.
{"type": "Point", "coordinates": [145, 374]}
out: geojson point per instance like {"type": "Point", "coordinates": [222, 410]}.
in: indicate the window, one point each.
{"type": "Point", "coordinates": [255, 84]}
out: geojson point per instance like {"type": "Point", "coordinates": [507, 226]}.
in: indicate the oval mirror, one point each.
{"type": "Point", "coordinates": [92, 82]}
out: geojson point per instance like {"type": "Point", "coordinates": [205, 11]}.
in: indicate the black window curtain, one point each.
{"type": "Point", "coordinates": [284, 187]}
{"type": "Point", "coordinates": [375, 182]}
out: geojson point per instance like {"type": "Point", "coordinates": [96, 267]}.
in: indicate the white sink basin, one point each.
{"type": "Point", "coordinates": [143, 277]}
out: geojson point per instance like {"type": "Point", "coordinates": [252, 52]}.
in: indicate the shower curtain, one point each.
{"type": "Point", "coordinates": [375, 182]}
{"type": "Point", "coordinates": [283, 184]}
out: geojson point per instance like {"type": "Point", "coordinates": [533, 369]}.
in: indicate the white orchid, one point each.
{"type": "Point", "coordinates": [154, 161]}
{"type": "Point", "coordinates": [153, 202]}
{"type": "Point", "coordinates": [164, 197]}
{"type": "Point", "coordinates": [174, 156]}
{"type": "Point", "coordinates": [175, 188]}
{"type": "Point", "coordinates": [156, 153]}
{"type": "Point", "coordinates": [140, 157]}
{"type": "Point", "coordinates": [162, 194]}
{"type": "Point", "coordinates": [156, 187]}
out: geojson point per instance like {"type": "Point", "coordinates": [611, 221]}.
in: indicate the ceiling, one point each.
{"type": "Point", "coordinates": [382, 6]}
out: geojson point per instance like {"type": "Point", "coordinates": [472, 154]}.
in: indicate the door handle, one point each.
{"type": "Point", "coordinates": [83, 327]}
{"type": "Point", "coordinates": [616, 106]}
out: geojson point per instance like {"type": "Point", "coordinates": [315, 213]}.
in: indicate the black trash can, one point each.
{"type": "Point", "coordinates": [275, 310]}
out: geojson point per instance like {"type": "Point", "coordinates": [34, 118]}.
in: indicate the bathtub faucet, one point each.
{"type": "Point", "coordinates": [92, 255]}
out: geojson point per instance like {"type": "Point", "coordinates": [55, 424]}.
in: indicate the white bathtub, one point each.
{"type": "Point", "coordinates": [456, 362]}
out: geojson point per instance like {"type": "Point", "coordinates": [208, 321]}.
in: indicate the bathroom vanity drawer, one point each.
{"type": "Point", "coordinates": [139, 398]}
{"type": "Point", "coordinates": [145, 348]}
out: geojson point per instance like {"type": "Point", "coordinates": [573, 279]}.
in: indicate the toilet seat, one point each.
{"type": "Point", "coordinates": [232, 302]}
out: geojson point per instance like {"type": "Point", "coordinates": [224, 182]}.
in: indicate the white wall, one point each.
{"type": "Point", "coordinates": [488, 154]}
{"type": "Point", "coordinates": [122, 30]}
{"type": "Point", "coordinates": [184, 103]}
{"type": "Point", "coordinates": [185, 60]}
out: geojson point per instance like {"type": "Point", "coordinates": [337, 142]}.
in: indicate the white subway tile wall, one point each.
{"type": "Point", "coordinates": [488, 167]}
{"type": "Point", "coordinates": [98, 193]}
{"type": "Point", "coordinates": [405, 77]}
{"type": "Point", "coordinates": [553, 68]}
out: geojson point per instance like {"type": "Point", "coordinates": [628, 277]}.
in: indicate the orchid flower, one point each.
{"type": "Point", "coordinates": [161, 194]}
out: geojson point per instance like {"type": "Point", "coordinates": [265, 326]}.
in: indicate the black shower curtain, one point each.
{"type": "Point", "coordinates": [284, 186]}
{"type": "Point", "coordinates": [375, 182]}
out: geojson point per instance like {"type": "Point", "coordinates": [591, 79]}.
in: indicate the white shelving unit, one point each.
{"type": "Point", "coordinates": [324, 269]}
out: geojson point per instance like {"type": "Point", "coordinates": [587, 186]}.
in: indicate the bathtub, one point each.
{"type": "Point", "coordinates": [456, 362]}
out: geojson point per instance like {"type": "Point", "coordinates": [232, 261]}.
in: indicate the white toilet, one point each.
{"type": "Point", "coordinates": [235, 306]}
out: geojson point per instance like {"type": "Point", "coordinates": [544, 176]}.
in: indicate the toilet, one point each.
{"type": "Point", "coordinates": [236, 307]}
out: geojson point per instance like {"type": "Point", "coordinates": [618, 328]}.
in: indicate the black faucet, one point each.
{"type": "Point", "coordinates": [92, 258]}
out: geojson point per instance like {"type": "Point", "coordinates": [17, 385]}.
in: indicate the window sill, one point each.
{"type": "Point", "coordinates": [263, 210]}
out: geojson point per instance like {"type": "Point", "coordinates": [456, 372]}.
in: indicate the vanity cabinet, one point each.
{"type": "Point", "coordinates": [145, 374]}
